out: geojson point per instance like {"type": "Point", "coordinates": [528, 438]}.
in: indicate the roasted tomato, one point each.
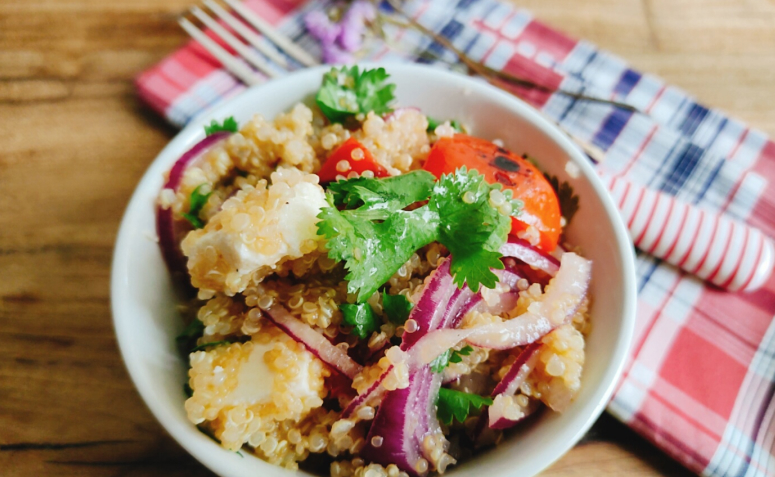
{"type": "Point", "coordinates": [541, 209]}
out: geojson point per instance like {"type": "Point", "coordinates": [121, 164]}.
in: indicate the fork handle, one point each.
{"type": "Point", "coordinates": [710, 245]}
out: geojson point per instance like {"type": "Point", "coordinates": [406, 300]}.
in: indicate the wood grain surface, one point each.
{"type": "Point", "coordinates": [74, 141]}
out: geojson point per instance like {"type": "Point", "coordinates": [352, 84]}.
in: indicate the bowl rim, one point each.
{"type": "Point", "coordinates": [192, 132]}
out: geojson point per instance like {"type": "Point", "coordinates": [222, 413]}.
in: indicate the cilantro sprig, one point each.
{"type": "Point", "coordinates": [198, 201]}
{"type": "Point", "coordinates": [457, 405]}
{"type": "Point", "coordinates": [346, 92]}
{"type": "Point", "coordinates": [450, 356]}
{"type": "Point", "coordinates": [374, 235]}
{"type": "Point", "coordinates": [361, 317]}
{"type": "Point", "coordinates": [229, 124]}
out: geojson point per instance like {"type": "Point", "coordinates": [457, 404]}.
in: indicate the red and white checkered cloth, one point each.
{"type": "Point", "coordinates": [701, 376]}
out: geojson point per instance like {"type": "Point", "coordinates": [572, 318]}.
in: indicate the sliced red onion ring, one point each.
{"type": "Point", "coordinates": [403, 421]}
{"type": "Point", "coordinates": [562, 297]}
{"type": "Point", "coordinates": [372, 394]}
{"type": "Point", "coordinates": [518, 372]}
{"type": "Point", "coordinates": [533, 256]}
{"type": "Point", "coordinates": [314, 341]}
{"type": "Point", "coordinates": [515, 376]}
{"type": "Point", "coordinates": [169, 230]}
{"type": "Point", "coordinates": [406, 417]}
{"type": "Point", "coordinates": [431, 308]}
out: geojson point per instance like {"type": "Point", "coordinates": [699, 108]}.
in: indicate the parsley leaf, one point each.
{"type": "Point", "coordinates": [457, 405]}
{"type": "Point", "coordinates": [376, 238]}
{"type": "Point", "coordinates": [361, 317]}
{"type": "Point", "coordinates": [198, 200]}
{"type": "Point", "coordinates": [449, 356]}
{"type": "Point", "coordinates": [347, 91]}
{"type": "Point", "coordinates": [396, 307]}
{"type": "Point", "coordinates": [569, 201]}
{"type": "Point", "coordinates": [229, 124]}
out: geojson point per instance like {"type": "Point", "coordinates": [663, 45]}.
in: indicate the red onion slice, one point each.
{"type": "Point", "coordinates": [372, 393]}
{"type": "Point", "coordinates": [314, 341]}
{"type": "Point", "coordinates": [518, 371]}
{"type": "Point", "coordinates": [562, 297]}
{"type": "Point", "coordinates": [169, 230]}
{"type": "Point", "coordinates": [403, 421]}
{"type": "Point", "coordinates": [533, 256]}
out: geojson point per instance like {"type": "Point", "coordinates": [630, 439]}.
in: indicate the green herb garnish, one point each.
{"type": "Point", "coordinates": [434, 123]}
{"type": "Point", "coordinates": [457, 405]}
{"type": "Point", "coordinates": [229, 124]}
{"type": "Point", "coordinates": [361, 317]}
{"type": "Point", "coordinates": [377, 236]}
{"type": "Point", "coordinates": [208, 345]}
{"type": "Point", "coordinates": [347, 91]}
{"type": "Point", "coordinates": [569, 201]}
{"type": "Point", "coordinates": [198, 200]}
{"type": "Point", "coordinates": [396, 307]}
{"type": "Point", "coordinates": [187, 338]}
{"type": "Point", "coordinates": [450, 356]}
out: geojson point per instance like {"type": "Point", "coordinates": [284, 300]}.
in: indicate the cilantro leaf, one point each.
{"type": "Point", "coordinates": [457, 405]}
{"type": "Point", "coordinates": [198, 200]}
{"type": "Point", "coordinates": [396, 307]}
{"type": "Point", "coordinates": [346, 92]}
{"type": "Point", "coordinates": [462, 202]}
{"type": "Point", "coordinates": [372, 92]}
{"type": "Point", "coordinates": [456, 355]}
{"type": "Point", "coordinates": [391, 193]}
{"type": "Point", "coordinates": [378, 236]}
{"type": "Point", "coordinates": [569, 201]}
{"type": "Point", "coordinates": [373, 251]}
{"type": "Point", "coordinates": [361, 317]}
{"type": "Point", "coordinates": [441, 361]}
{"type": "Point", "coordinates": [229, 124]}
{"type": "Point", "coordinates": [450, 356]}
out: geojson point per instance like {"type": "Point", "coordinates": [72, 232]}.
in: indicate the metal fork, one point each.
{"type": "Point", "coordinates": [659, 224]}
{"type": "Point", "coordinates": [216, 11]}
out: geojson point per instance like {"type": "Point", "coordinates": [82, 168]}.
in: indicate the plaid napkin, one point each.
{"type": "Point", "coordinates": [701, 376]}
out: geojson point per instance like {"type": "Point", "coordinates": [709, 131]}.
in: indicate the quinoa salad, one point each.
{"type": "Point", "coordinates": [369, 291]}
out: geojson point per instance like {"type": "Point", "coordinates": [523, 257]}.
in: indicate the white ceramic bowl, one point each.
{"type": "Point", "coordinates": [144, 306]}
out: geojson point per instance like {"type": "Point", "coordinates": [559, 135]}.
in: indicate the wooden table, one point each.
{"type": "Point", "coordinates": [74, 141]}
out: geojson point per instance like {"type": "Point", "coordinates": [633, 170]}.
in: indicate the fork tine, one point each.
{"type": "Point", "coordinates": [238, 68]}
{"type": "Point", "coordinates": [246, 33]}
{"type": "Point", "coordinates": [232, 41]}
{"type": "Point", "coordinates": [278, 39]}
